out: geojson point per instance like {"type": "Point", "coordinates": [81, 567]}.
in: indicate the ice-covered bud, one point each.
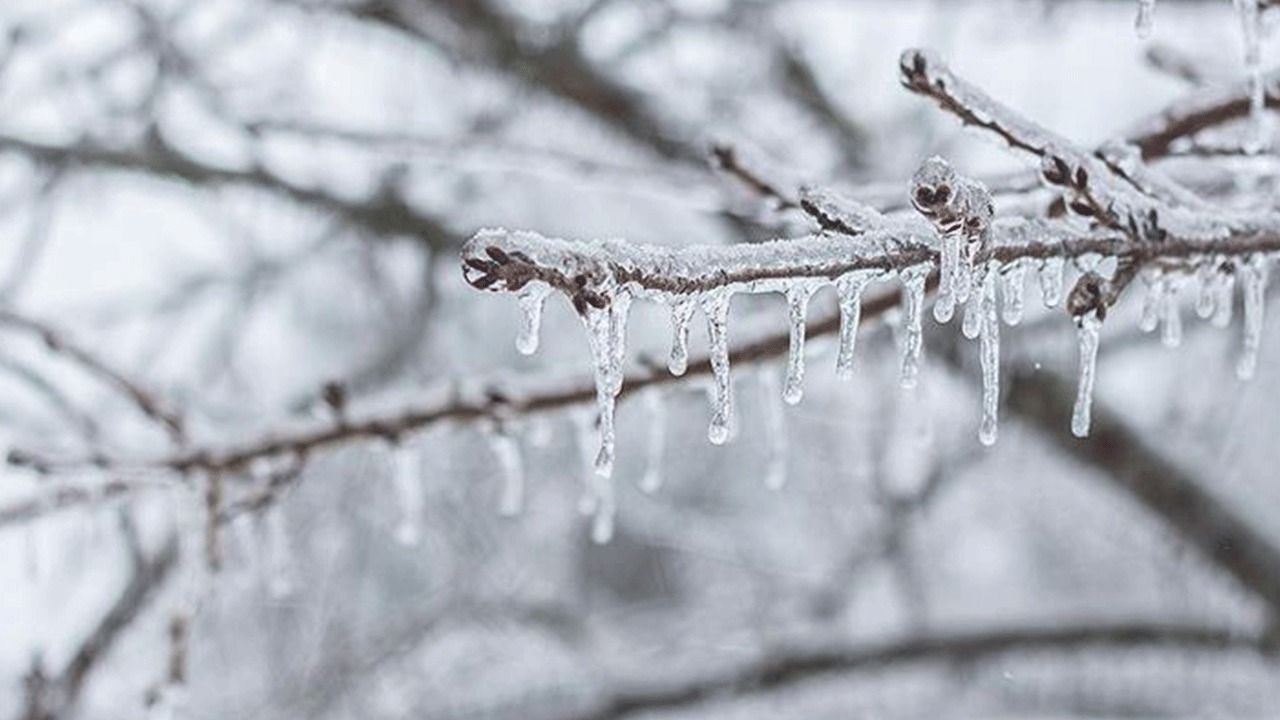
{"type": "Point", "coordinates": [933, 190]}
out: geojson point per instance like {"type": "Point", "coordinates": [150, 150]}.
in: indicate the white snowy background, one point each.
{"type": "Point", "coordinates": [385, 583]}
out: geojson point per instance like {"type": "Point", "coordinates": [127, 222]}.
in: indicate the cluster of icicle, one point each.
{"type": "Point", "coordinates": [956, 230]}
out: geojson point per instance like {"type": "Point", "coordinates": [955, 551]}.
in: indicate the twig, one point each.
{"type": "Point", "coordinates": [147, 403]}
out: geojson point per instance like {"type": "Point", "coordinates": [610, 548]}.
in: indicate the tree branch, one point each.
{"type": "Point", "coordinates": [787, 668]}
{"type": "Point", "coordinates": [1169, 490]}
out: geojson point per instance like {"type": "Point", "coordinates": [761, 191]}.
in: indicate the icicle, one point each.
{"type": "Point", "coordinates": [912, 327]}
{"type": "Point", "coordinates": [1253, 284]}
{"type": "Point", "coordinates": [606, 332]}
{"type": "Point", "coordinates": [1249, 26]}
{"type": "Point", "coordinates": [797, 303]}
{"type": "Point", "coordinates": [587, 449]}
{"type": "Point", "coordinates": [962, 279]}
{"type": "Point", "coordinates": [944, 304]}
{"type": "Point", "coordinates": [716, 308]}
{"type": "Point", "coordinates": [1151, 297]}
{"type": "Point", "coordinates": [849, 291]}
{"type": "Point", "coordinates": [279, 553]}
{"type": "Point", "coordinates": [619, 311]}
{"type": "Point", "coordinates": [1089, 328]}
{"type": "Point", "coordinates": [506, 450]}
{"type": "Point", "coordinates": [1051, 270]}
{"type": "Point", "coordinates": [1171, 316]}
{"type": "Point", "coordinates": [539, 432]}
{"type": "Point", "coordinates": [532, 299]}
{"type": "Point", "coordinates": [657, 410]}
{"type": "Point", "coordinates": [681, 314]}
{"type": "Point", "coordinates": [406, 475]}
{"type": "Point", "coordinates": [1224, 297]}
{"type": "Point", "coordinates": [775, 431]}
{"type": "Point", "coordinates": [597, 498]}
{"type": "Point", "coordinates": [1013, 282]}
{"type": "Point", "coordinates": [606, 510]}
{"type": "Point", "coordinates": [1206, 277]}
{"type": "Point", "coordinates": [989, 354]}
{"type": "Point", "coordinates": [972, 324]}
{"type": "Point", "coordinates": [1146, 18]}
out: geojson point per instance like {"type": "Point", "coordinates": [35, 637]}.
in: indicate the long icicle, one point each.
{"type": "Point", "coordinates": [600, 335]}
{"type": "Point", "coordinates": [797, 304]}
{"type": "Point", "coordinates": [406, 475]}
{"type": "Point", "coordinates": [849, 293]}
{"type": "Point", "coordinates": [656, 408]}
{"type": "Point", "coordinates": [1089, 328]}
{"type": "Point", "coordinates": [989, 355]}
{"type": "Point", "coordinates": [506, 449]}
{"type": "Point", "coordinates": [716, 308]}
{"type": "Point", "coordinates": [775, 429]}
{"type": "Point", "coordinates": [1253, 284]}
{"type": "Point", "coordinates": [912, 325]}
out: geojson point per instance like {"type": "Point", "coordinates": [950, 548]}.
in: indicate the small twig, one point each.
{"type": "Point", "coordinates": [147, 403]}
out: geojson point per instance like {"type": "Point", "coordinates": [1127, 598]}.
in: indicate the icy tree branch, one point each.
{"type": "Point", "coordinates": [1163, 486]}
{"type": "Point", "coordinates": [55, 697]}
{"type": "Point", "coordinates": [785, 668]}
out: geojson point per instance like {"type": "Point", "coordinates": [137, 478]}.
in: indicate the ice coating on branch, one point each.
{"type": "Point", "coordinates": [797, 304]}
{"type": "Point", "coordinates": [989, 356]}
{"type": "Point", "coordinates": [406, 477]}
{"type": "Point", "coordinates": [1089, 187]}
{"type": "Point", "coordinates": [849, 295]}
{"type": "Point", "coordinates": [532, 299]}
{"type": "Point", "coordinates": [591, 272]}
{"type": "Point", "coordinates": [716, 308]}
{"type": "Point", "coordinates": [1170, 316]}
{"type": "Point", "coordinates": [1012, 286]}
{"type": "Point", "coordinates": [1253, 285]}
{"type": "Point", "coordinates": [912, 324]}
{"type": "Point", "coordinates": [506, 450]}
{"type": "Point", "coordinates": [775, 431]}
{"type": "Point", "coordinates": [1088, 330]}
{"type": "Point", "coordinates": [656, 409]}
{"type": "Point", "coordinates": [837, 213]}
{"type": "Point", "coordinates": [1051, 272]}
{"type": "Point", "coordinates": [1145, 21]}
{"type": "Point", "coordinates": [681, 313]}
